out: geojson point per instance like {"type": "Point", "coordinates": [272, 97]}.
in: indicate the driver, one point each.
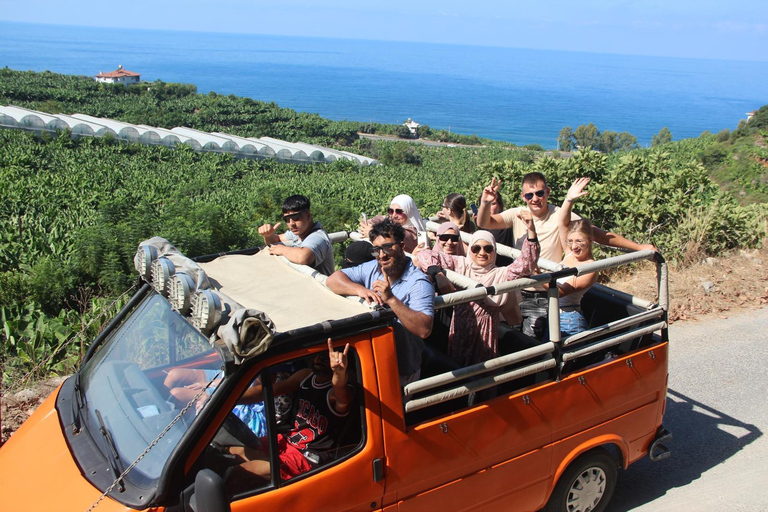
{"type": "Point", "coordinates": [324, 401]}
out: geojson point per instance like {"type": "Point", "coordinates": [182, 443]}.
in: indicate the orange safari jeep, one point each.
{"type": "Point", "coordinates": [162, 414]}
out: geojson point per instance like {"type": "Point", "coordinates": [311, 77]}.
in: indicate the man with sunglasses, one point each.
{"type": "Point", "coordinates": [305, 242]}
{"type": "Point", "coordinates": [535, 193]}
{"type": "Point", "coordinates": [393, 280]}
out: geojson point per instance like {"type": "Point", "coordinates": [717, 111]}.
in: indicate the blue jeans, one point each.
{"type": "Point", "coordinates": [571, 322]}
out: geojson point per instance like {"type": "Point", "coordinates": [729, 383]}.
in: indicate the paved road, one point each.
{"type": "Point", "coordinates": [717, 409]}
{"type": "Point", "coordinates": [372, 136]}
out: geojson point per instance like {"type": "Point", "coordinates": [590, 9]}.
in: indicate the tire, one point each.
{"type": "Point", "coordinates": [586, 486]}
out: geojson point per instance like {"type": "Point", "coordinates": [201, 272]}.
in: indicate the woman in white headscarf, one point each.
{"type": "Point", "coordinates": [403, 210]}
{"type": "Point", "coordinates": [473, 334]}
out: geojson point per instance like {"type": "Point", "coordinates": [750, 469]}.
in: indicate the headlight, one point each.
{"type": "Point", "coordinates": [206, 311]}
{"type": "Point", "coordinates": [162, 270]}
{"type": "Point", "coordinates": [180, 289]}
{"type": "Point", "coordinates": [145, 255]}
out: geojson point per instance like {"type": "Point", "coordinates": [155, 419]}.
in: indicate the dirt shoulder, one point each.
{"type": "Point", "coordinates": [712, 288]}
{"type": "Point", "coordinates": [708, 291]}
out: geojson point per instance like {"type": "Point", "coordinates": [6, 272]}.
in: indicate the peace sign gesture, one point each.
{"type": "Point", "coordinates": [490, 193]}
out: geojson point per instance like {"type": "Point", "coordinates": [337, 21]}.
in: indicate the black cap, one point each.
{"type": "Point", "coordinates": [357, 253]}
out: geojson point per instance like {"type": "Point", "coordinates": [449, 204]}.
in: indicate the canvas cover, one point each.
{"type": "Point", "coordinates": [265, 283]}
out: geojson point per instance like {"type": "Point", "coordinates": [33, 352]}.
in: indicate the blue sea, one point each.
{"type": "Point", "coordinates": [517, 95]}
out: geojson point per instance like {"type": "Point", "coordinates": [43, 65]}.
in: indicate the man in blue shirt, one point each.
{"type": "Point", "coordinates": [307, 241]}
{"type": "Point", "coordinates": [392, 280]}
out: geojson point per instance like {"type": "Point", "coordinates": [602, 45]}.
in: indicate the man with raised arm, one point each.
{"type": "Point", "coordinates": [535, 193]}
{"type": "Point", "coordinates": [392, 279]}
{"type": "Point", "coordinates": [305, 242]}
{"type": "Point", "coordinates": [324, 402]}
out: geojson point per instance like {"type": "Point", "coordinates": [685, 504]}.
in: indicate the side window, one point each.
{"type": "Point", "coordinates": [313, 421]}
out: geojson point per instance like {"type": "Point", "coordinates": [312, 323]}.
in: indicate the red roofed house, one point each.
{"type": "Point", "coordinates": [119, 76]}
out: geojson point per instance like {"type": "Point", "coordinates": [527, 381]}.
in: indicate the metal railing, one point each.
{"type": "Point", "coordinates": [572, 348]}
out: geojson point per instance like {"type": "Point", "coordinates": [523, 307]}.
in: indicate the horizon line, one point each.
{"type": "Point", "coordinates": [395, 41]}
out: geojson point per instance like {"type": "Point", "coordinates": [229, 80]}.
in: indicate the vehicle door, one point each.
{"type": "Point", "coordinates": [469, 457]}
{"type": "Point", "coordinates": [340, 477]}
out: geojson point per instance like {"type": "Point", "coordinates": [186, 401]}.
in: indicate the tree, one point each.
{"type": "Point", "coordinates": [565, 139]}
{"type": "Point", "coordinates": [403, 132]}
{"type": "Point", "coordinates": [627, 141]}
{"type": "Point", "coordinates": [587, 136]}
{"type": "Point", "coordinates": [662, 137]}
{"type": "Point", "coordinates": [608, 142]}
{"type": "Point", "coordinates": [760, 119]}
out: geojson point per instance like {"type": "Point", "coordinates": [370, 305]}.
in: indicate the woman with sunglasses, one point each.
{"type": "Point", "coordinates": [402, 210]}
{"type": "Point", "coordinates": [473, 333]}
{"type": "Point", "coordinates": [448, 240]}
{"type": "Point", "coordinates": [577, 237]}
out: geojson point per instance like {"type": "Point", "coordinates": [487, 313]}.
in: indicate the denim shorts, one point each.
{"type": "Point", "coordinates": [571, 322]}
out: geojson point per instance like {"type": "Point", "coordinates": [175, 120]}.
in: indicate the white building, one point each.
{"type": "Point", "coordinates": [119, 76]}
{"type": "Point", "coordinates": [413, 126]}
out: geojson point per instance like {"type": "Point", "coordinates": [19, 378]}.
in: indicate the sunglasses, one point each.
{"type": "Point", "coordinates": [539, 193]}
{"type": "Point", "coordinates": [388, 249]}
{"type": "Point", "coordinates": [446, 238]}
{"type": "Point", "coordinates": [293, 216]}
{"type": "Point", "coordinates": [396, 210]}
{"type": "Point", "coordinates": [487, 248]}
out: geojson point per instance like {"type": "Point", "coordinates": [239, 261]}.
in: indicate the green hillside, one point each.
{"type": "Point", "coordinates": [73, 211]}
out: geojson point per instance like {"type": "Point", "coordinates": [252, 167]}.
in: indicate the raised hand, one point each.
{"type": "Point", "coordinates": [416, 250]}
{"type": "Point", "coordinates": [364, 228]}
{"type": "Point", "coordinates": [527, 219]}
{"type": "Point", "coordinates": [338, 360]}
{"type": "Point", "coordinates": [268, 230]}
{"type": "Point", "coordinates": [577, 189]}
{"type": "Point", "coordinates": [383, 289]}
{"type": "Point", "coordinates": [491, 191]}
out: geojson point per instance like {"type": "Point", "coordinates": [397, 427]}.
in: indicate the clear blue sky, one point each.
{"type": "Point", "coordinates": [718, 29]}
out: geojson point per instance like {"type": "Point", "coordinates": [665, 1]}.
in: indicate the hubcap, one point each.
{"type": "Point", "coordinates": [586, 491]}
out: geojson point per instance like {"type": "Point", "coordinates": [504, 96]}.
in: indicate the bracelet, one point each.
{"type": "Point", "coordinates": [486, 202]}
{"type": "Point", "coordinates": [569, 199]}
{"type": "Point", "coordinates": [534, 240]}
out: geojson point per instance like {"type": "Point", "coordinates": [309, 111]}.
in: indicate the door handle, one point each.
{"type": "Point", "coordinates": [378, 470]}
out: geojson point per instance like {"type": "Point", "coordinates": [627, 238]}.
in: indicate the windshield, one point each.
{"type": "Point", "coordinates": [136, 384]}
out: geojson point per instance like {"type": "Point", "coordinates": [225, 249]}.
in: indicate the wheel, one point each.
{"type": "Point", "coordinates": [586, 486]}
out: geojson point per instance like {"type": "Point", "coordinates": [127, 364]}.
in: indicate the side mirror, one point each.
{"type": "Point", "coordinates": [209, 495]}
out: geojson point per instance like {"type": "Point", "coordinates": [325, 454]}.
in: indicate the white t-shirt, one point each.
{"type": "Point", "coordinates": [546, 231]}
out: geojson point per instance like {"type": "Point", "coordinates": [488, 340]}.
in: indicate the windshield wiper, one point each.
{"type": "Point", "coordinates": [112, 455]}
{"type": "Point", "coordinates": [77, 405]}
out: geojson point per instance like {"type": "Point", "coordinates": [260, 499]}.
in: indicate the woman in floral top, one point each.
{"type": "Point", "coordinates": [473, 333]}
